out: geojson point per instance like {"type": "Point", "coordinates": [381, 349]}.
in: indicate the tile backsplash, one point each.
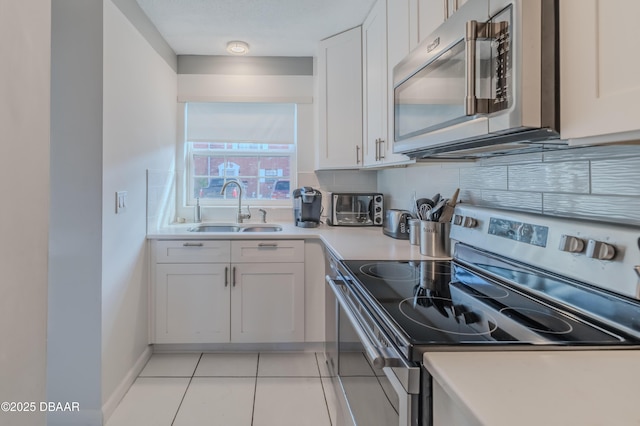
{"type": "Point", "coordinates": [600, 183]}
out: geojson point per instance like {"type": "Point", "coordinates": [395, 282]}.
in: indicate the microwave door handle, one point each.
{"type": "Point", "coordinates": [470, 40]}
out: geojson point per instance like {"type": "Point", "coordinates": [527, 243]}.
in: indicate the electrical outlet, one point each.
{"type": "Point", "coordinates": [121, 202]}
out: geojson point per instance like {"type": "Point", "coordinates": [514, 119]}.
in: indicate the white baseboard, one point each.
{"type": "Point", "coordinates": [110, 405]}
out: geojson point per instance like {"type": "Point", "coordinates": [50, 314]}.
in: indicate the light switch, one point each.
{"type": "Point", "coordinates": [121, 202]}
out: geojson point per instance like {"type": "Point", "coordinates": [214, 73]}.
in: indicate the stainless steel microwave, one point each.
{"type": "Point", "coordinates": [485, 82]}
{"type": "Point", "coordinates": [355, 209]}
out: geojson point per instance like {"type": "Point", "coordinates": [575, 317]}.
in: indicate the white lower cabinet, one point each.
{"type": "Point", "coordinates": [267, 302]}
{"type": "Point", "coordinates": [192, 303]}
{"type": "Point", "coordinates": [230, 297]}
{"type": "Point", "coordinates": [447, 412]}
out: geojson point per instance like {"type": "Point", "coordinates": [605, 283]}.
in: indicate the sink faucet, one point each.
{"type": "Point", "coordinates": [240, 217]}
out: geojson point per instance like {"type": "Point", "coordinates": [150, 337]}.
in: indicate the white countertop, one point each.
{"type": "Point", "coordinates": [353, 243]}
{"type": "Point", "coordinates": [542, 387]}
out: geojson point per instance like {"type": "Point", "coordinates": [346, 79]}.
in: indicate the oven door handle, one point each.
{"type": "Point", "coordinates": [376, 357]}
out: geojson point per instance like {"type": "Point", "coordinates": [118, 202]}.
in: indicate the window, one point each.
{"type": "Point", "coordinates": [248, 143]}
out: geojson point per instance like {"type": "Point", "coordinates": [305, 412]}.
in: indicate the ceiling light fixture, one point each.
{"type": "Point", "coordinates": [237, 48]}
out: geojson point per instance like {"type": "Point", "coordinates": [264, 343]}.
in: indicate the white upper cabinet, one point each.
{"type": "Point", "coordinates": [340, 101]}
{"type": "Point", "coordinates": [374, 77]}
{"type": "Point", "coordinates": [380, 37]}
{"type": "Point", "coordinates": [599, 66]}
{"type": "Point", "coordinates": [427, 15]}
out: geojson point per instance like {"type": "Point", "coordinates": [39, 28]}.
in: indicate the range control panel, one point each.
{"type": "Point", "coordinates": [601, 254]}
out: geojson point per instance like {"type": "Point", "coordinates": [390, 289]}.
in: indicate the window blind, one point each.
{"type": "Point", "coordinates": [241, 122]}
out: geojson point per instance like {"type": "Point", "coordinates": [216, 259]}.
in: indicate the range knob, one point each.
{"type": "Point", "coordinates": [571, 244]}
{"type": "Point", "coordinates": [469, 222]}
{"type": "Point", "coordinates": [600, 250]}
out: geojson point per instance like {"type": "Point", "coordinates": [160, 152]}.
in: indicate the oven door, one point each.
{"type": "Point", "coordinates": [377, 387]}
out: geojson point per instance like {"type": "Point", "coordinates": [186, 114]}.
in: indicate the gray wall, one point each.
{"type": "Point", "coordinates": [75, 259]}
{"type": "Point", "coordinates": [25, 32]}
{"type": "Point", "coordinates": [599, 183]}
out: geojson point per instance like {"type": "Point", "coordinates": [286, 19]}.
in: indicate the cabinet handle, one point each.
{"type": "Point", "coordinates": [233, 281]}
{"type": "Point", "coordinates": [357, 154]}
{"type": "Point", "coordinates": [456, 5]}
{"type": "Point", "coordinates": [226, 276]}
{"type": "Point", "coordinates": [381, 155]}
{"type": "Point", "coordinates": [192, 244]}
{"type": "Point", "coordinates": [377, 150]}
{"type": "Point", "coordinates": [267, 244]}
{"type": "Point", "coordinates": [446, 9]}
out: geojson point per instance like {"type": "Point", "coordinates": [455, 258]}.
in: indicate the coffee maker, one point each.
{"type": "Point", "coordinates": [307, 206]}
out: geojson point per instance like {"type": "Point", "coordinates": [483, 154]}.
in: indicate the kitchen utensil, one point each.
{"type": "Point", "coordinates": [423, 210]}
{"type": "Point", "coordinates": [425, 201]}
{"type": "Point", "coordinates": [454, 198]}
{"type": "Point", "coordinates": [447, 212]}
{"type": "Point", "coordinates": [434, 213]}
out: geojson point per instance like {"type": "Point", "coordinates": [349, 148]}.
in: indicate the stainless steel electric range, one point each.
{"type": "Point", "coordinates": [515, 282]}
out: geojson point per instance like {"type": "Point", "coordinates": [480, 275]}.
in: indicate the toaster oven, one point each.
{"type": "Point", "coordinates": [355, 209]}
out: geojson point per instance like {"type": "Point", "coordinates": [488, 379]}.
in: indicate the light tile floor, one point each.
{"type": "Point", "coordinates": [230, 389]}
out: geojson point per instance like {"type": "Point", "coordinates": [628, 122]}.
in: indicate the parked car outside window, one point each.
{"type": "Point", "coordinates": [281, 190]}
{"type": "Point", "coordinates": [215, 186]}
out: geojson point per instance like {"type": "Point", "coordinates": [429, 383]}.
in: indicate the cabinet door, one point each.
{"type": "Point", "coordinates": [599, 69]}
{"type": "Point", "coordinates": [427, 16]}
{"type": "Point", "coordinates": [192, 303]}
{"type": "Point", "coordinates": [398, 19]}
{"type": "Point", "coordinates": [340, 101]}
{"type": "Point", "coordinates": [374, 55]}
{"type": "Point", "coordinates": [267, 302]}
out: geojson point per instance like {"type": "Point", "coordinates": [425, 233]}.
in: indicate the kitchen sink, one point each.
{"type": "Point", "coordinates": [262, 228]}
{"type": "Point", "coordinates": [215, 228]}
{"type": "Point", "coordinates": [236, 228]}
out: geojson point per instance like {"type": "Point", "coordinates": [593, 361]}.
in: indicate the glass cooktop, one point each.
{"type": "Point", "coordinates": [444, 303]}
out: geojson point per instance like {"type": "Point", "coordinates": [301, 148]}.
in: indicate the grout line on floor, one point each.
{"type": "Point", "coordinates": [326, 402]}
{"type": "Point", "coordinates": [315, 355]}
{"type": "Point", "coordinates": [186, 390]}
{"type": "Point", "coordinates": [255, 391]}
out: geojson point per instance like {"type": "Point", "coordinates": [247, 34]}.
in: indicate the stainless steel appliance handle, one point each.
{"type": "Point", "coordinates": [470, 40]}
{"type": "Point", "coordinates": [375, 356]}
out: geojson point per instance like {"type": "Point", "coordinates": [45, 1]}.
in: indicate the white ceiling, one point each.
{"type": "Point", "coordinates": [271, 27]}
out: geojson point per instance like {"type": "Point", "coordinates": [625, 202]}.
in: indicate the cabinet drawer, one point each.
{"type": "Point", "coordinates": [192, 251]}
{"type": "Point", "coordinates": [267, 251]}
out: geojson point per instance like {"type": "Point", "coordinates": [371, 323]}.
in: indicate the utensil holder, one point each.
{"type": "Point", "coordinates": [434, 238]}
{"type": "Point", "coordinates": [414, 232]}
